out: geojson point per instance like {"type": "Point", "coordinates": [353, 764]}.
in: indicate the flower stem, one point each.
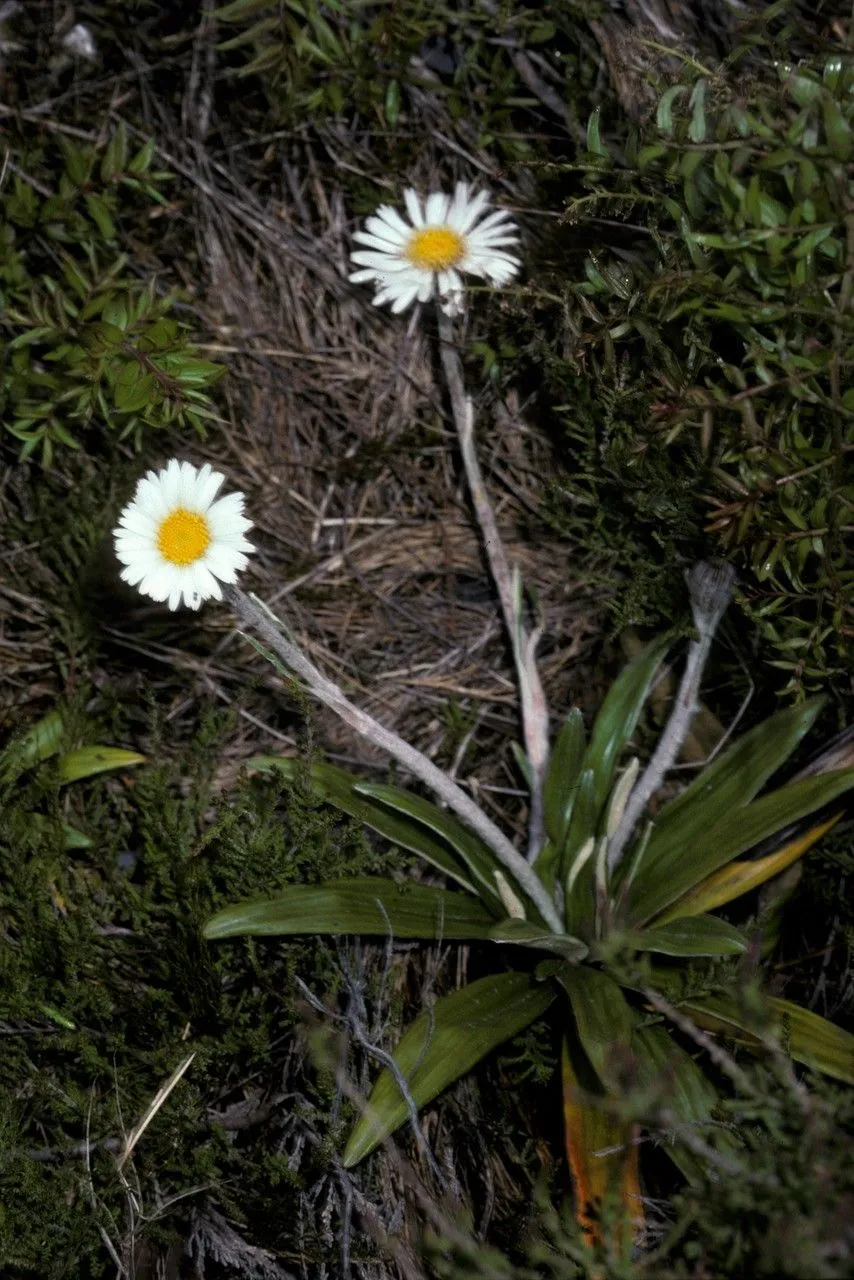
{"type": "Point", "coordinates": [255, 614]}
{"type": "Point", "coordinates": [535, 716]}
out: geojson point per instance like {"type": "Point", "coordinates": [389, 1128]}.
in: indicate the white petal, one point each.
{"type": "Point", "coordinates": [206, 583]}
{"type": "Point", "coordinates": [469, 214]}
{"type": "Point", "coordinates": [436, 213]}
{"type": "Point", "coordinates": [413, 207]}
{"type": "Point", "coordinates": [453, 304]}
{"type": "Point", "coordinates": [149, 498]}
{"type": "Point", "coordinates": [132, 520]}
{"type": "Point", "coordinates": [159, 583]}
{"type": "Point", "coordinates": [499, 217]}
{"type": "Point", "coordinates": [380, 261]}
{"type": "Point", "coordinates": [208, 488]}
{"type": "Point", "coordinates": [393, 221]}
{"type": "Point", "coordinates": [459, 204]}
{"type": "Point", "coordinates": [404, 299]}
{"type": "Point", "coordinates": [383, 230]}
{"type": "Point", "coordinates": [377, 242]}
{"type": "Point", "coordinates": [491, 240]}
{"type": "Point", "coordinates": [223, 563]}
{"type": "Point", "coordinates": [368, 273]}
{"type": "Point", "coordinates": [186, 484]}
{"type": "Point", "coordinates": [449, 282]}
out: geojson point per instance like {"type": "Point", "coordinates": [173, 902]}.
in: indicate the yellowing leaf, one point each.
{"type": "Point", "coordinates": [740, 877]}
{"type": "Point", "coordinates": [601, 1149]}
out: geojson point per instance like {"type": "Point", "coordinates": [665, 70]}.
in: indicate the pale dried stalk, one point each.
{"type": "Point", "coordinates": [255, 614]}
{"type": "Point", "coordinates": [535, 716]}
{"type": "Point", "coordinates": [710, 588]}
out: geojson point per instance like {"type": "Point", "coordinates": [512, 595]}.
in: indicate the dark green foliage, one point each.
{"type": "Point", "coordinates": [107, 986]}
{"type": "Point", "coordinates": [316, 61]}
{"type": "Point", "coordinates": [84, 338]}
{"type": "Point", "coordinates": [714, 348]}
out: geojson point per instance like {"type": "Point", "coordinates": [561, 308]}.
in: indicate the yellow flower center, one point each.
{"type": "Point", "coordinates": [435, 248]}
{"type": "Point", "coordinates": [183, 536]}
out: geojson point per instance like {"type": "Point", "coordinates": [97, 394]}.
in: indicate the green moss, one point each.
{"type": "Point", "coordinates": [107, 986]}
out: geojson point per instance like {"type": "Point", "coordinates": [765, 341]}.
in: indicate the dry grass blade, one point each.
{"type": "Point", "coordinates": [151, 1111]}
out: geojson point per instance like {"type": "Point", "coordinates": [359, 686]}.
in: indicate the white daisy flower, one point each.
{"type": "Point", "coordinates": [415, 260]}
{"type": "Point", "coordinates": [175, 541]}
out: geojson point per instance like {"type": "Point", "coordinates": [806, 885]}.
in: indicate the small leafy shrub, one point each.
{"type": "Point", "coordinates": [84, 340]}
{"type": "Point", "coordinates": [316, 60]}
{"type": "Point", "coordinates": [714, 344]}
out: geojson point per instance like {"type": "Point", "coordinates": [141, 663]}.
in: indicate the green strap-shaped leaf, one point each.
{"type": "Point", "coordinates": [477, 857]}
{"type": "Point", "coordinates": [603, 1020]}
{"type": "Point", "coordinates": [524, 933]}
{"type": "Point", "coordinates": [85, 763]}
{"type": "Point", "coordinates": [442, 1045]}
{"type": "Point", "coordinates": [362, 905]}
{"type": "Point", "coordinates": [699, 935]}
{"type": "Point", "coordinates": [618, 716]}
{"type": "Point", "coordinates": [578, 882]}
{"type": "Point", "coordinates": [656, 887]}
{"type": "Point", "coordinates": [731, 781]}
{"type": "Point", "coordinates": [686, 1094]}
{"type": "Point", "coordinates": [337, 787]}
{"type": "Point", "coordinates": [806, 1036]}
{"type": "Point", "coordinates": [564, 769]}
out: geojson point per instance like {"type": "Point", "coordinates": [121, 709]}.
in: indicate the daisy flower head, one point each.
{"type": "Point", "coordinates": [445, 236]}
{"type": "Point", "coordinates": [175, 540]}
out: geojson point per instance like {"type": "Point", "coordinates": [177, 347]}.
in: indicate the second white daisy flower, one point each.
{"type": "Point", "coordinates": [175, 540]}
{"type": "Point", "coordinates": [424, 258]}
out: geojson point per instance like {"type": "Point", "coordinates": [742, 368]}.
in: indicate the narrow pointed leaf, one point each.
{"type": "Point", "coordinates": [618, 716]}
{"type": "Point", "coordinates": [479, 860]}
{"type": "Point", "coordinates": [564, 769]}
{"type": "Point", "coordinates": [337, 787]}
{"type": "Point", "coordinates": [362, 905]}
{"type": "Point", "coordinates": [741, 877]}
{"type": "Point", "coordinates": [578, 882]}
{"type": "Point", "coordinates": [85, 763]}
{"type": "Point", "coordinates": [600, 1147]}
{"type": "Point", "coordinates": [547, 865]}
{"type": "Point", "coordinates": [693, 935]}
{"type": "Point", "coordinates": [524, 933]}
{"type": "Point", "coordinates": [656, 887]}
{"type": "Point", "coordinates": [687, 1095]}
{"type": "Point", "coordinates": [603, 1021]}
{"type": "Point", "coordinates": [445, 1043]}
{"type": "Point", "coordinates": [732, 780]}
{"type": "Point", "coordinates": [805, 1036]}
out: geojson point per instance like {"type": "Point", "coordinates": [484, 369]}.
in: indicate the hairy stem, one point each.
{"type": "Point", "coordinates": [535, 716]}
